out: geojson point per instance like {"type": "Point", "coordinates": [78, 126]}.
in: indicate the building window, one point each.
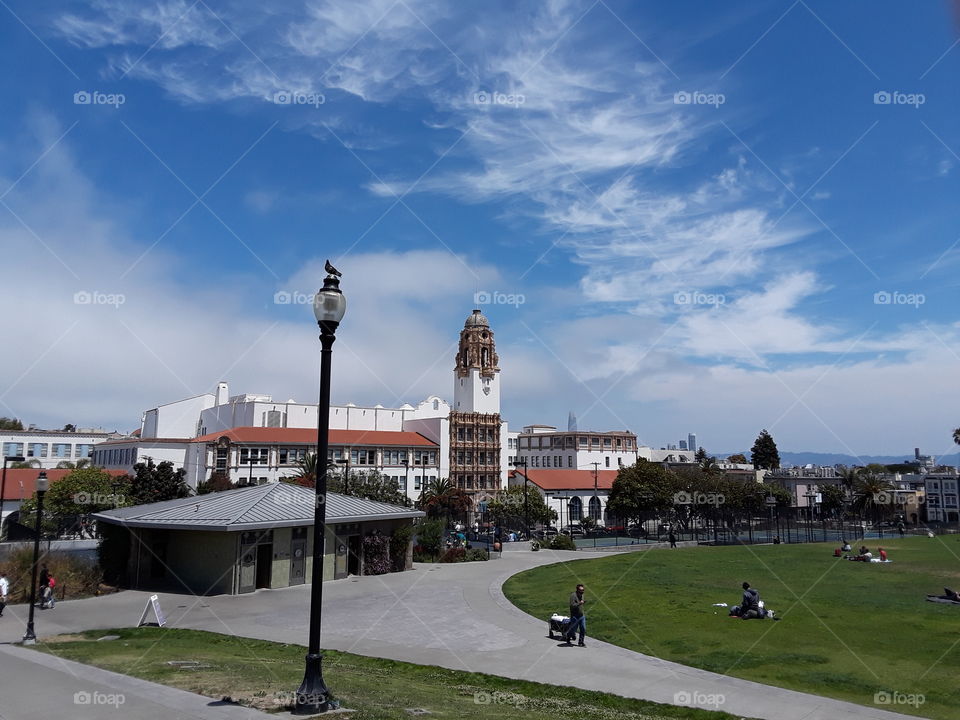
{"type": "Point", "coordinates": [575, 509]}
{"type": "Point", "coordinates": [583, 442]}
{"type": "Point", "coordinates": [606, 443]}
{"type": "Point", "coordinates": [569, 461]}
{"type": "Point", "coordinates": [37, 450]}
{"type": "Point", "coordinates": [222, 456]}
{"type": "Point", "coordinates": [253, 456]}
{"type": "Point", "coordinates": [595, 508]}
{"type": "Point", "coordinates": [61, 450]}
{"type": "Point", "coordinates": [13, 449]}
{"type": "Point", "coordinates": [606, 461]}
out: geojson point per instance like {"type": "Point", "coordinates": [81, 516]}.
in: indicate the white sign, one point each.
{"type": "Point", "coordinates": [154, 604]}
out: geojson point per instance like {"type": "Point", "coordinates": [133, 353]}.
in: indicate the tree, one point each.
{"type": "Point", "coordinates": [764, 454]}
{"type": "Point", "coordinates": [305, 472]}
{"type": "Point", "coordinates": [155, 483]}
{"type": "Point", "coordinates": [370, 486]}
{"type": "Point", "coordinates": [441, 498]}
{"type": "Point", "coordinates": [700, 456]}
{"type": "Point", "coordinates": [873, 495]}
{"type": "Point", "coordinates": [956, 436]}
{"type": "Point", "coordinates": [832, 499]}
{"type": "Point", "coordinates": [10, 424]}
{"type": "Point", "coordinates": [738, 458]}
{"type": "Point", "coordinates": [26, 464]}
{"type": "Point", "coordinates": [642, 490]}
{"type": "Point", "coordinates": [74, 465]}
{"type": "Point", "coordinates": [507, 508]}
{"type": "Point", "coordinates": [81, 492]}
{"type": "Point", "coordinates": [218, 482]}
{"type": "Point", "coordinates": [69, 427]}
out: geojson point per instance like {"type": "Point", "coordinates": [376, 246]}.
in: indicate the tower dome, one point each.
{"type": "Point", "coordinates": [477, 319]}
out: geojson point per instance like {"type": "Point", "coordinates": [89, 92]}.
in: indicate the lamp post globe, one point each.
{"type": "Point", "coordinates": [329, 306]}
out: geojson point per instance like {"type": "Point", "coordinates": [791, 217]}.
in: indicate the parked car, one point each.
{"type": "Point", "coordinates": [572, 530]}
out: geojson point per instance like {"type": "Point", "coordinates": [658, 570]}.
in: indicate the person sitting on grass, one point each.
{"type": "Point", "coordinates": [750, 604]}
{"type": "Point", "coordinates": [846, 546]}
{"type": "Point", "coordinates": [883, 554]}
{"type": "Point", "coordinates": [864, 555]}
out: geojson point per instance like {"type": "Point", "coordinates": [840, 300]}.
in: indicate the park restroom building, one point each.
{"type": "Point", "coordinates": [238, 541]}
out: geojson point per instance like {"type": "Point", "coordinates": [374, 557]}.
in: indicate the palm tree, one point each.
{"type": "Point", "coordinates": [306, 471]}
{"type": "Point", "coordinates": [442, 498]}
{"type": "Point", "coordinates": [32, 463]}
{"type": "Point", "coordinates": [73, 465]}
{"type": "Point", "coordinates": [873, 494]}
{"type": "Point", "coordinates": [956, 436]}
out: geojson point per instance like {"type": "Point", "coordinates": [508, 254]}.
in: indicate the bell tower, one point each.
{"type": "Point", "coordinates": [477, 374]}
{"type": "Point", "coordinates": [475, 426]}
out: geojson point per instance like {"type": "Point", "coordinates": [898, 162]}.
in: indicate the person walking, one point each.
{"type": "Point", "coordinates": [578, 621]}
{"type": "Point", "coordinates": [43, 585]}
{"type": "Point", "coordinates": [673, 539]}
{"type": "Point", "coordinates": [4, 589]}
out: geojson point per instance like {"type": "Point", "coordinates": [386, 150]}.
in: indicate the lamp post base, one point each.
{"type": "Point", "coordinates": [313, 697]}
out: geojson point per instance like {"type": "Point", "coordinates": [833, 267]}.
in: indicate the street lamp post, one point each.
{"type": "Point", "coordinates": [329, 306]}
{"type": "Point", "coordinates": [3, 485]}
{"type": "Point", "coordinates": [30, 637]}
{"type": "Point", "coordinates": [522, 462]}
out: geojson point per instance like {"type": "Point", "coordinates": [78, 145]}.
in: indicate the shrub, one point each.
{"type": "Point", "coordinates": [476, 554]}
{"type": "Point", "coordinates": [376, 554]}
{"type": "Point", "coordinates": [454, 555]}
{"type": "Point", "coordinates": [562, 542]}
{"type": "Point", "coordinates": [399, 542]}
{"type": "Point", "coordinates": [75, 577]}
{"type": "Point", "coordinates": [430, 536]}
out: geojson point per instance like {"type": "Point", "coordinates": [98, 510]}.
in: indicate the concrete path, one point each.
{"type": "Point", "coordinates": [37, 686]}
{"type": "Point", "coordinates": [454, 616]}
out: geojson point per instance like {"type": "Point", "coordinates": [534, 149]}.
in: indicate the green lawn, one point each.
{"type": "Point", "coordinates": [264, 675]}
{"type": "Point", "coordinates": [849, 630]}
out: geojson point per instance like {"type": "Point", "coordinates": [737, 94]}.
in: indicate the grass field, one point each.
{"type": "Point", "coordinates": [849, 630]}
{"type": "Point", "coordinates": [264, 675]}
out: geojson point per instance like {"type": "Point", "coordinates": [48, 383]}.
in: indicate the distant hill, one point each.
{"type": "Point", "coordinates": [814, 458]}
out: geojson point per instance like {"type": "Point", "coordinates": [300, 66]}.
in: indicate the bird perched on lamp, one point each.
{"type": "Point", "coordinates": [332, 270]}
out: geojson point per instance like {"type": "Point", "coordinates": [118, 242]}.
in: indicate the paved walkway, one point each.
{"type": "Point", "coordinates": [38, 686]}
{"type": "Point", "coordinates": [454, 616]}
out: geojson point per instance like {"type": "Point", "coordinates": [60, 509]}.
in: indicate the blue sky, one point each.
{"type": "Point", "coordinates": [719, 217]}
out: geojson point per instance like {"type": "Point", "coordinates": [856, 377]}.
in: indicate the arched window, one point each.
{"type": "Point", "coordinates": [575, 509]}
{"type": "Point", "coordinates": [483, 357]}
{"type": "Point", "coordinates": [595, 508]}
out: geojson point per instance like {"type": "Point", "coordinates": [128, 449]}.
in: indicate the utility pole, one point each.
{"type": "Point", "coordinates": [596, 475]}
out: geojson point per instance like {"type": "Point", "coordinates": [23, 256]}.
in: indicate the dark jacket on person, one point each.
{"type": "Point", "coordinates": [576, 609]}
{"type": "Point", "coordinates": [751, 600]}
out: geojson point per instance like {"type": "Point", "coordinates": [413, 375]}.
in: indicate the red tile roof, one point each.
{"type": "Point", "coordinates": [28, 476]}
{"type": "Point", "coordinates": [308, 436]}
{"type": "Point", "coordinates": [567, 479]}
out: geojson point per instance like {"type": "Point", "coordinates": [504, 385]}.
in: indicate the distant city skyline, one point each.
{"type": "Point", "coordinates": [677, 217]}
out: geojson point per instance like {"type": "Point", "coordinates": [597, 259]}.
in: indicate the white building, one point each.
{"type": "Point", "coordinates": [572, 494]}
{"type": "Point", "coordinates": [470, 443]}
{"type": "Point", "coordinates": [542, 446]}
{"type": "Point", "coordinates": [47, 448]}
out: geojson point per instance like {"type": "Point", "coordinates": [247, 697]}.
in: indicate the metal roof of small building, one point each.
{"type": "Point", "coordinates": [253, 508]}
